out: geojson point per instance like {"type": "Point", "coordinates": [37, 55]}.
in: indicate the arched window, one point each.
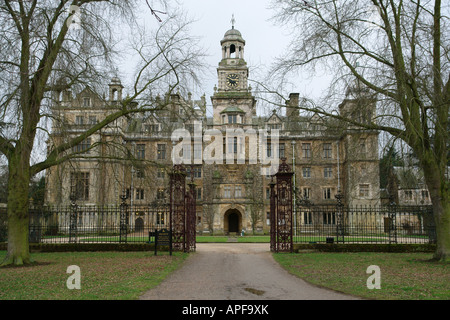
{"type": "Point", "coordinates": [232, 51]}
{"type": "Point", "coordinates": [114, 95]}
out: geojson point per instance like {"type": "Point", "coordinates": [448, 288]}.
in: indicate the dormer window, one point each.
{"type": "Point", "coordinates": [86, 102]}
{"type": "Point", "coordinates": [152, 128]}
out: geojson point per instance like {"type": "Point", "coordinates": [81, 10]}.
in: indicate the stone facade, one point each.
{"type": "Point", "coordinates": [133, 155]}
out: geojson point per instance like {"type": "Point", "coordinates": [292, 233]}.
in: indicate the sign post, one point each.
{"type": "Point", "coordinates": [163, 237]}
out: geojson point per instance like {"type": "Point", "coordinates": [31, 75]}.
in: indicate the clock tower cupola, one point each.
{"type": "Point", "coordinates": [232, 71]}
{"type": "Point", "coordinates": [233, 103]}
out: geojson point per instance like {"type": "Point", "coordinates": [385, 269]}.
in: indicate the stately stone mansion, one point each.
{"type": "Point", "coordinates": [133, 155]}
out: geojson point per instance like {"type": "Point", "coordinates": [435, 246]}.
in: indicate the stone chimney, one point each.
{"type": "Point", "coordinates": [292, 105]}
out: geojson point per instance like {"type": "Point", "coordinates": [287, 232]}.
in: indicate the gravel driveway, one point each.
{"type": "Point", "coordinates": [235, 271]}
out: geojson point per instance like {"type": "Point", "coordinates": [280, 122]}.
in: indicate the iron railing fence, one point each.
{"type": "Point", "coordinates": [383, 224]}
{"type": "Point", "coordinates": [312, 224]}
{"type": "Point", "coordinates": [93, 224]}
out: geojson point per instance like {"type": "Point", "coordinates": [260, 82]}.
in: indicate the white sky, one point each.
{"type": "Point", "coordinates": [265, 41]}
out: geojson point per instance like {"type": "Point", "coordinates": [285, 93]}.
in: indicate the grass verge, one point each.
{"type": "Point", "coordinates": [104, 275]}
{"type": "Point", "coordinates": [404, 276]}
{"type": "Point", "coordinates": [246, 239]}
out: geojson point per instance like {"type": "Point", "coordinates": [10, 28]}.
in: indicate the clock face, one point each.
{"type": "Point", "coordinates": [232, 80]}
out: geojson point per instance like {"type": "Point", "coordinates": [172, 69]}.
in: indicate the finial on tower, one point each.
{"type": "Point", "coordinates": [233, 21]}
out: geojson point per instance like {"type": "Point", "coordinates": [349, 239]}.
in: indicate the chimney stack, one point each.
{"type": "Point", "coordinates": [292, 105]}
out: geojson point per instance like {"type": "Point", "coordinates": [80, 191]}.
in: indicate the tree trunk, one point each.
{"type": "Point", "coordinates": [18, 218]}
{"type": "Point", "coordinates": [438, 188]}
{"type": "Point", "coordinates": [442, 220]}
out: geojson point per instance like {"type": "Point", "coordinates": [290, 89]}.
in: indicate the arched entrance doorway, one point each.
{"type": "Point", "coordinates": [139, 225]}
{"type": "Point", "coordinates": [232, 221]}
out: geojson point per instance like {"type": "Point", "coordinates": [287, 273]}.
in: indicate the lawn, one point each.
{"type": "Point", "coordinates": [127, 275]}
{"type": "Point", "coordinates": [246, 239]}
{"type": "Point", "coordinates": [104, 275]}
{"type": "Point", "coordinates": [404, 276]}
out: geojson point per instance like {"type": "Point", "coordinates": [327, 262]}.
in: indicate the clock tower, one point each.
{"type": "Point", "coordinates": [233, 102]}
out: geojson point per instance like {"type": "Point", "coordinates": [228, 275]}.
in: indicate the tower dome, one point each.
{"type": "Point", "coordinates": [232, 35]}
{"type": "Point", "coordinates": [232, 43]}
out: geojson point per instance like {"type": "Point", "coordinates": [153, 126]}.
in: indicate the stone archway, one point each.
{"type": "Point", "coordinates": [232, 221]}
{"type": "Point", "coordinates": [139, 225]}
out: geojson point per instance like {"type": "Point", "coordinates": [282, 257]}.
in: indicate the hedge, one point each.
{"type": "Point", "coordinates": [364, 247]}
{"type": "Point", "coordinates": [320, 247]}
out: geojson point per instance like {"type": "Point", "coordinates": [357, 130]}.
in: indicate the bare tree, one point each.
{"type": "Point", "coordinates": [45, 49]}
{"type": "Point", "coordinates": [397, 52]}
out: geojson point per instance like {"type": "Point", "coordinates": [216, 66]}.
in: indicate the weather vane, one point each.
{"type": "Point", "coordinates": [232, 21]}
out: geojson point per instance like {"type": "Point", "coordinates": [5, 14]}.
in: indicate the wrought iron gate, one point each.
{"type": "Point", "coordinates": [281, 222]}
{"type": "Point", "coordinates": [182, 211]}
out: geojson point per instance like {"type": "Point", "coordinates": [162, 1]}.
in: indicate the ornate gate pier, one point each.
{"type": "Point", "coordinates": [281, 208]}
{"type": "Point", "coordinates": [182, 211]}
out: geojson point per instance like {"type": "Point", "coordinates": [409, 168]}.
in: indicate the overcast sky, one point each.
{"type": "Point", "coordinates": [265, 41]}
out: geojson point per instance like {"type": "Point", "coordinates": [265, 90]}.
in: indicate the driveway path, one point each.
{"type": "Point", "coordinates": [232, 271]}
